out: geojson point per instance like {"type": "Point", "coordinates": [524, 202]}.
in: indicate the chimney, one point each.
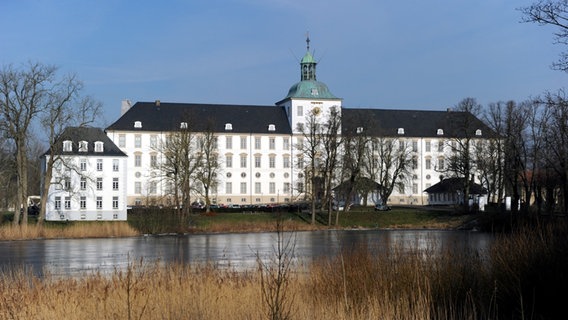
{"type": "Point", "coordinates": [157, 103]}
{"type": "Point", "coordinates": [126, 104]}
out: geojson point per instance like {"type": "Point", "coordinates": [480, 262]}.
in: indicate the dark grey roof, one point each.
{"type": "Point", "coordinates": [452, 185]}
{"type": "Point", "coordinates": [385, 122]}
{"type": "Point", "coordinates": [204, 117]}
{"type": "Point", "coordinates": [90, 135]}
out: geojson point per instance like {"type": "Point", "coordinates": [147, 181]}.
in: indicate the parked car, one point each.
{"type": "Point", "coordinates": [382, 207]}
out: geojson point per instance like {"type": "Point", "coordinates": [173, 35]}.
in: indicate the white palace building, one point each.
{"type": "Point", "coordinates": [257, 145]}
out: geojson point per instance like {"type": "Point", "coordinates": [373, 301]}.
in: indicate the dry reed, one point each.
{"type": "Point", "coordinates": [80, 230]}
{"type": "Point", "coordinates": [358, 283]}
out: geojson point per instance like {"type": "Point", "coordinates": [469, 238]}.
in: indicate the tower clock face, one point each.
{"type": "Point", "coordinates": [316, 111]}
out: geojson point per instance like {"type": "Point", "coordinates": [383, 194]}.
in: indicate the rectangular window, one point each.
{"type": "Point", "coordinates": [272, 187]}
{"type": "Point", "coordinates": [99, 183]}
{"type": "Point", "coordinates": [115, 184]}
{"type": "Point", "coordinates": [257, 161]}
{"type": "Point", "coordinates": [414, 188]}
{"type": "Point", "coordinates": [137, 141]}
{"type": "Point", "coordinates": [243, 161]}
{"type": "Point", "coordinates": [401, 188]}
{"type": "Point", "coordinates": [243, 142]}
{"type": "Point", "coordinates": [300, 162]}
{"type": "Point", "coordinates": [401, 145]}
{"type": "Point", "coordinates": [286, 187]}
{"type": "Point", "coordinates": [99, 164]}
{"type": "Point", "coordinates": [67, 203]}
{"type": "Point", "coordinates": [415, 146]}
{"type": "Point", "coordinates": [300, 111]}
{"type": "Point", "coordinates": [137, 160]}
{"type": "Point", "coordinates": [153, 160]}
{"type": "Point", "coordinates": [243, 187]}
{"type": "Point", "coordinates": [83, 183]}
{"type": "Point", "coordinates": [228, 187]}
{"type": "Point", "coordinates": [300, 186]}
{"type": "Point", "coordinates": [428, 146]}
{"type": "Point", "coordinates": [272, 161]}
{"type": "Point", "coordinates": [99, 203]}
{"type": "Point", "coordinates": [115, 202]}
{"type": "Point", "coordinates": [153, 187]}
{"type": "Point", "coordinates": [441, 164]}
{"type": "Point", "coordinates": [257, 188]}
{"type": "Point", "coordinates": [286, 162]}
{"type": "Point", "coordinates": [153, 141]}
{"type": "Point", "coordinates": [257, 144]}
{"type": "Point", "coordinates": [441, 146]}
{"type": "Point", "coordinates": [428, 164]}
{"type": "Point", "coordinates": [122, 140]}
{"type": "Point", "coordinates": [272, 143]}
{"type": "Point", "coordinates": [115, 165]}
{"type": "Point", "coordinates": [229, 161]}
{"type": "Point", "coordinates": [83, 164]}
{"type": "Point", "coordinates": [67, 184]}
{"type": "Point", "coordinates": [138, 187]}
{"type": "Point", "coordinates": [83, 202]}
{"type": "Point", "coordinates": [229, 142]}
{"type": "Point", "coordinates": [286, 144]}
{"type": "Point", "coordinates": [57, 203]}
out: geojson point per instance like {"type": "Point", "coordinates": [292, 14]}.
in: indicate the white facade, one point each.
{"type": "Point", "coordinates": [87, 185]}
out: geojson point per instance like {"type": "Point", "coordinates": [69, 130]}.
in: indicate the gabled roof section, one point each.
{"type": "Point", "coordinates": [163, 116]}
{"type": "Point", "coordinates": [415, 123]}
{"type": "Point", "coordinates": [90, 135]}
{"type": "Point", "coordinates": [452, 185]}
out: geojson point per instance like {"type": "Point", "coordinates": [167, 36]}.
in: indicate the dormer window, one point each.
{"type": "Point", "coordinates": [183, 125]}
{"type": "Point", "coordinates": [99, 146]}
{"type": "Point", "coordinates": [83, 146]}
{"type": "Point", "coordinates": [271, 127]}
{"type": "Point", "coordinates": [400, 130]}
{"type": "Point", "coordinates": [67, 146]}
{"type": "Point", "coordinates": [228, 126]}
{"type": "Point", "coordinates": [137, 124]}
{"type": "Point", "coordinates": [440, 132]}
{"type": "Point", "coordinates": [359, 130]}
{"type": "Point", "coordinates": [478, 132]}
{"type": "Point", "coordinates": [315, 91]}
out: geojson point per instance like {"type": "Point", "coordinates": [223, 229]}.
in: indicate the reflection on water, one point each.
{"type": "Point", "coordinates": [78, 256]}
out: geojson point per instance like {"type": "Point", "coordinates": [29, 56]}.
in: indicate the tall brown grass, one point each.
{"type": "Point", "coordinates": [521, 277]}
{"type": "Point", "coordinates": [77, 230]}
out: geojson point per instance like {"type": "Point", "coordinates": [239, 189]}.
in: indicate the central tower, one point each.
{"type": "Point", "coordinates": [308, 96]}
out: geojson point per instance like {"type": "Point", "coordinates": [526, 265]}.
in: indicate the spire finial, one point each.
{"type": "Point", "coordinates": [308, 40]}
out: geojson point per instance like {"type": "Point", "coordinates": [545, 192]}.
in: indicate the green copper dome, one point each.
{"type": "Point", "coordinates": [310, 89]}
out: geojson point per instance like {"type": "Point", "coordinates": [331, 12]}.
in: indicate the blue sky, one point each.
{"type": "Point", "coordinates": [372, 53]}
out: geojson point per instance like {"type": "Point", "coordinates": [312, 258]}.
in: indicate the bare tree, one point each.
{"type": "Point", "coordinates": [331, 142]}
{"type": "Point", "coordinates": [26, 94]}
{"type": "Point", "coordinates": [310, 149]}
{"type": "Point", "coordinates": [556, 144]}
{"type": "Point", "coordinates": [208, 168]}
{"type": "Point", "coordinates": [553, 13]}
{"type": "Point", "coordinates": [180, 162]}
{"type": "Point", "coordinates": [462, 161]}
{"type": "Point", "coordinates": [356, 142]}
{"type": "Point", "coordinates": [391, 161]}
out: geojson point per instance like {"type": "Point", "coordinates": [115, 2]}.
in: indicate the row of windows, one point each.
{"type": "Point", "coordinates": [84, 181]}
{"type": "Point", "coordinates": [99, 165]}
{"type": "Point", "coordinates": [82, 203]}
{"type": "Point", "coordinates": [257, 161]}
{"type": "Point", "coordinates": [83, 146]}
{"type": "Point", "coordinates": [286, 188]}
{"type": "Point", "coordinates": [228, 142]}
